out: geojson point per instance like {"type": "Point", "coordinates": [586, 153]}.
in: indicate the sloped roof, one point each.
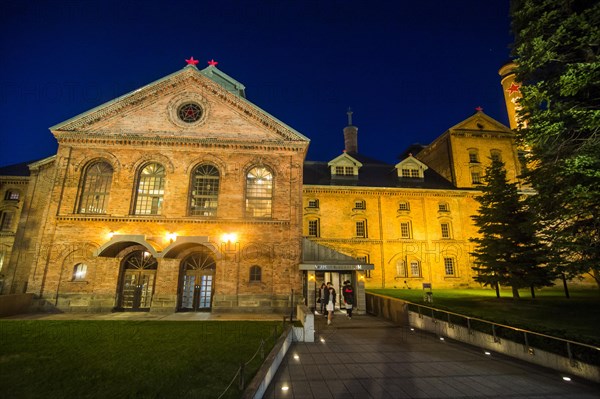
{"type": "Point", "coordinates": [314, 254]}
{"type": "Point", "coordinates": [373, 173]}
{"type": "Point", "coordinates": [18, 169]}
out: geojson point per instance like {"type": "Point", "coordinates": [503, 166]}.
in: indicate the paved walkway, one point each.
{"type": "Point", "coordinates": [367, 357]}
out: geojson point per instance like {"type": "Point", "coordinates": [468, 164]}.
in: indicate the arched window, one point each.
{"type": "Point", "coordinates": [400, 269]}
{"type": "Point", "coordinates": [496, 155]}
{"type": "Point", "coordinates": [95, 189]}
{"type": "Point", "coordinates": [150, 190]}
{"type": "Point", "coordinates": [6, 220]}
{"type": "Point", "coordinates": [259, 192]}
{"type": "Point", "coordinates": [314, 228]}
{"type": "Point", "coordinates": [473, 155]}
{"type": "Point", "coordinates": [415, 268]}
{"type": "Point", "coordinates": [255, 274]}
{"type": "Point", "coordinates": [204, 191]}
{"type": "Point", "coordinates": [405, 229]}
{"type": "Point", "coordinates": [79, 272]}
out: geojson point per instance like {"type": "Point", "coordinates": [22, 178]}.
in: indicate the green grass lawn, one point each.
{"type": "Point", "coordinates": [577, 318]}
{"type": "Point", "coordinates": [128, 359]}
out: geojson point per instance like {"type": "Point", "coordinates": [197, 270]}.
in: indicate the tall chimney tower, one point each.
{"type": "Point", "coordinates": [512, 92]}
{"type": "Point", "coordinates": [350, 135]}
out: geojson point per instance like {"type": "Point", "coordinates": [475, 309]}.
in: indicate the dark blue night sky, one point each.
{"type": "Point", "coordinates": [409, 70]}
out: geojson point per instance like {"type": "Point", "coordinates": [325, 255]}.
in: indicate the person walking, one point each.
{"type": "Point", "coordinates": [322, 302]}
{"type": "Point", "coordinates": [348, 294]}
{"type": "Point", "coordinates": [330, 302]}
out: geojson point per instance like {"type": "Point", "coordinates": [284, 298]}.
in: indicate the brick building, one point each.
{"type": "Point", "coordinates": [183, 195]}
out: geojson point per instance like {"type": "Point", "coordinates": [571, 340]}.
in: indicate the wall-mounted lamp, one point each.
{"type": "Point", "coordinates": [229, 237]}
{"type": "Point", "coordinates": [171, 237]}
{"type": "Point", "coordinates": [111, 234]}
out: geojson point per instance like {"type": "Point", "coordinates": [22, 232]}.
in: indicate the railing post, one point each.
{"type": "Point", "coordinates": [241, 376]}
{"type": "Point", "coordinates": [469, 325]}
{"type": "Point", "coordinates": [572, 361]}
{"type": "Point", "coordinates": [494, 333]}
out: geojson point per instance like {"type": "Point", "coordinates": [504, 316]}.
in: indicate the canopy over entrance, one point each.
{"type": "Point", "coordinates": [320, 257]}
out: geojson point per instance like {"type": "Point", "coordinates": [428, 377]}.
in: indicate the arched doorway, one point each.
{"type": "Point", "coordinates": [137, 281]}
{"type": "Point", "coordinates": [197, 281]}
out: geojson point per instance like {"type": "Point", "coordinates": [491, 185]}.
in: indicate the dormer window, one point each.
{"type": "Point", "coordinates": [344, 167]}
{"type": "Point", "coordinates": [411, 168]}
{"type": "Point", "coordinates": [410, 173]}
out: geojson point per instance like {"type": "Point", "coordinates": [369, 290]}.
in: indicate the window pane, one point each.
{"type": "Point", "coordinates": [259, 192]}
{"type": "Point", "coordinates": [150, 190]}
{"type": "Point", "coordinates": [405, 230]}
{"type": "Point", "coordinates": [313, 228]}
{"type": "Point", "coordinates": [255, 273]}
{"type": "Point", "coordinates": [449, 266]}
{"type": "Point", "coordinates": [6, 222]}
{"type": "Point", "coordinates": [415, 270]}
{"type": "Point", "coordinates": [445, 230]}
{"type": "Point", "coordinates": [361, 230]}
{"type": "Point", "coordinates": [204, 191]}
{"type": "Point", "coordinates": [404, 206]}
{"type": "Point", "coordinates": [96, 188]}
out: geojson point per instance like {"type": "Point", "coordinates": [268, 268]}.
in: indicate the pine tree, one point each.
{"type": "Point", "coordinates": [557, 48]}
{"type": "Point", "coordinates": [508, 251]}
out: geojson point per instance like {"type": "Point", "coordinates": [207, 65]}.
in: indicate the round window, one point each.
{"type": "Point", "coordinates": [189, 112]}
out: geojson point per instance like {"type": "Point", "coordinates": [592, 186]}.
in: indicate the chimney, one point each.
{"type": "Point", "coordinates": [350, 135]}
{"type": "Point", "coordinates": [512, 92]}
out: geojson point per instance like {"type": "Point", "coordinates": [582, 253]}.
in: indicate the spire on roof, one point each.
{"type": "Point", "coordinates": [350, 135]}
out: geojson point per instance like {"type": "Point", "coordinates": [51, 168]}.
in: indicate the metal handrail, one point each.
{"type": "Point", "coordinates": [501, 325]}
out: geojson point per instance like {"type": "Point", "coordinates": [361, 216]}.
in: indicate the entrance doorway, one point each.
{"type": "Point", "coordinates": [137, 281]}
{"type": "Point", "coordinates": [337, 280]}
{"type": "Point", "coordinates": [197, 282]}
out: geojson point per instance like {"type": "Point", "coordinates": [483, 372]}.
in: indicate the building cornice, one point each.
{"type": "Point", "coordinates": [162, 220]}
{"type": "Point", "coordinates": [389, 191]}
{"type": "Point", "coordinates": [85, 139]}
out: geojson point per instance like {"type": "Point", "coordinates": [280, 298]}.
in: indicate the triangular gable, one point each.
{"type": "Point", "coordinates": [344, 160]}
{"type": "Point", "coordinates": [481, 122]}
{"type": "Point", "coordinates": [411, 162]}
{"type": "Point", "coordinates": [149, 110]}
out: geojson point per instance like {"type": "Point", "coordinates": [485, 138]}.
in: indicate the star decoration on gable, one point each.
{"type": "Point", "coordinates": [479, 109]}
{"type": "Point", "coordinates": [514, 88]}
{"type": "Point", "coordinates": [212, 63]}
{"type": "Point", "coordinates": [191, 61]}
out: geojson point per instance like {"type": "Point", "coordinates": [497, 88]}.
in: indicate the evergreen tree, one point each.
{"type": "Point", "coordinates": [557, 48]}
{"type": "Point", "coordinates": [508, 251]}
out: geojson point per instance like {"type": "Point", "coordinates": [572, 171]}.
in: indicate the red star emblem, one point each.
{"type": "Point", "coordinates": [191, 61]}
{"type": "Point", "coordinates": [479, 109]}
{"type": "Point", "coordinates": [514, 88]}
{"type": "Point", "coordinates": [212, 63]}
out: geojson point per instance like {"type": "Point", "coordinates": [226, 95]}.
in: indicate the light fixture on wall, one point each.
{"type": "Point", "coordinates": [111, 234]}
{"type": "Point", "coordinates": [229, 237]}
{"type": "Point", "coordinates": [171, 237]}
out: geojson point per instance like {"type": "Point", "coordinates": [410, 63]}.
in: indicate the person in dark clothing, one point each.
{"type": "Point", "coordinates": [322, 293]}
{"type": "Point", "coordinates": [330, 302]}
{"type": "Point", "coordinates": [348, 294]}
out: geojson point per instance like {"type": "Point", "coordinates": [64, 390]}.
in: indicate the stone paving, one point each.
{"type": "Point", "coordinates": [367, 357]}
